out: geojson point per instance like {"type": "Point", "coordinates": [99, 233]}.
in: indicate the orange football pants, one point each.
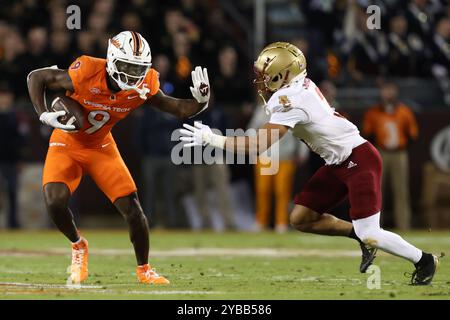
{"type": "Point", "coordinates": [104, 164]}
{"type": "Point", "coordinates": [281, 184]}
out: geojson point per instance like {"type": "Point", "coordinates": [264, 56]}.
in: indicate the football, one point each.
{"type": "Point", "coordinates": [74, 111]}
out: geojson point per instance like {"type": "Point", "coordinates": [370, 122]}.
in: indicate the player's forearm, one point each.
{"type": "Point", "coordinates": [46, 78]}
{"type": "Point", "coordinates": [244, 144]}
{"type": "Point", "coordinates": [201, 134]}
{"type": "Point", "coordinates": [36, 89]}
{"type": "Point", "coordinates": [189, 107]}
{"type": "Point", "coordinates": [241, 144]}
{"type": "Point", "coordinates": [181, 108]}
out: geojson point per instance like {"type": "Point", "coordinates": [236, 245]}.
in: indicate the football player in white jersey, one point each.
{"type": "Point", "coordinates": [353, 166]}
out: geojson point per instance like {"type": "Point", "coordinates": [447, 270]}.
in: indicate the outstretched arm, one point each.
{"type": "Point", "coordinates": [183, 108]}
{"type": "Point", "coordinates": [52, 78]}
{"type": "Point", "coordinates": [201, 134]}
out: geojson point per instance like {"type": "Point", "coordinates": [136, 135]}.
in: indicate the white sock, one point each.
{"type": "Point", "coordinates": [369, 231]}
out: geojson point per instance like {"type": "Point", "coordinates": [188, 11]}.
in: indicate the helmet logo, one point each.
{"type": "Point", "coordinates": [115, 43]}
{"type": "Point", "coordinates": [204, 89]}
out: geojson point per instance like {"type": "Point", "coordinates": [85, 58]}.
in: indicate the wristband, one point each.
{"type": "Point", "coordinates": [215, 140]}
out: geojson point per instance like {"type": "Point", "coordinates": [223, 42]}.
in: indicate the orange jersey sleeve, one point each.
{"type": "Point", "coordinates": [152, 81]}
{"type": "Point", "coordinates": [81, 71]}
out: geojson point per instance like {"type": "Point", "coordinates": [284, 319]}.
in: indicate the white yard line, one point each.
{"type": "Point", "coordinates": [94, 289]}
{"type": "Point", "coordinates": [45, 285]}
{"type": "Point", "coordinates": [172, 292]}
{"type": "Point", "coordinates": [197, 252]}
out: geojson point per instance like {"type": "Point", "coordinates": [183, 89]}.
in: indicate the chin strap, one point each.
{"type": "Point", "coordinates": [142, 92]}
{"type": "Point", "coordinates": [266, 108]}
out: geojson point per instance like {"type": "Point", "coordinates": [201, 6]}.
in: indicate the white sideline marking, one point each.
{"type": "Point", "coordinates": [197, 252]}
{"type": "Point", "coordinates": [252, 252]}
{"type": "Point", "coordinates": [174, 292]}
{"type": "Point", "coordinates": [94, 287]}
{"type": "Point", "coordinates": [46, 285]}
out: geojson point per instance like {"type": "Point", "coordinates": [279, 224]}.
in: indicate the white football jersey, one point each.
{"type": "Point", "coordinates": [302, 107]}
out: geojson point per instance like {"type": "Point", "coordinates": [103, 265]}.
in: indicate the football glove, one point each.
{"type": "Point", "coordinates": [201, 135]}
{"type": "Point", "coordinates": [201, 88]}
{"type": "Point", "coordinates": [51, 119]}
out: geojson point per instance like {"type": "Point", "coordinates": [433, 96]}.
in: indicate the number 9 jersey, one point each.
{"type": "Point", "coordinates": [103, 108]}
{"type": "Point", "coordinates": [92, 150]}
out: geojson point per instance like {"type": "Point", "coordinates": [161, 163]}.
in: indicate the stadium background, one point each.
{"type": "Point", "coordinates": [223, 36]}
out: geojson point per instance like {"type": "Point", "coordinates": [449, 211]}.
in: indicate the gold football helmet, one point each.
{"type": "Point", "coordinates": [276, 66]}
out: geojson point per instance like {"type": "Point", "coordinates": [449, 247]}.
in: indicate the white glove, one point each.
{"type": "Point", "coordinates": [201, 89]}
{"type": "Point", "coordinates": [51, 119]}
{"type": "Point", "coordinates": [201, 135]}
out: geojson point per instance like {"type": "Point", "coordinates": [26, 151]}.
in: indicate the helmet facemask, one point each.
{"type": "Point", "coordinates": [261, 82]}
{"type": "Point", "coordinates": [129, 75]}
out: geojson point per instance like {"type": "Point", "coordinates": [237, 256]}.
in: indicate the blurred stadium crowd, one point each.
{"type": "Point", "coordinates": [414, 42]}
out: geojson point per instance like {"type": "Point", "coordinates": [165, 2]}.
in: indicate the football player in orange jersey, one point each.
{"type": "Point", "coordinates": [108, 89]}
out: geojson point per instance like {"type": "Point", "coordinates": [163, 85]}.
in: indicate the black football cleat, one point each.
{"type": "Point", "coordinates": [368, 255]}
{"type": "Point", "coordinates": [423, 275]}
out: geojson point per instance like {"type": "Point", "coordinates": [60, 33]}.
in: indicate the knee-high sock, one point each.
{"type": "Point", "coordinates": [369, 231]}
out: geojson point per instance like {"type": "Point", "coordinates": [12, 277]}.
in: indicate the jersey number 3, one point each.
{"type": "Point", "coordinates": [98, 119]}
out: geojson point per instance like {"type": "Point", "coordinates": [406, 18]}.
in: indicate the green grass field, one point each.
{"type": "Point", "coordinates": [213, 266]}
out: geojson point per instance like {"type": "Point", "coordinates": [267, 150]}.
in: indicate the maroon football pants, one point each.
{"type": "Point", "coordinates": [358, 178]}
